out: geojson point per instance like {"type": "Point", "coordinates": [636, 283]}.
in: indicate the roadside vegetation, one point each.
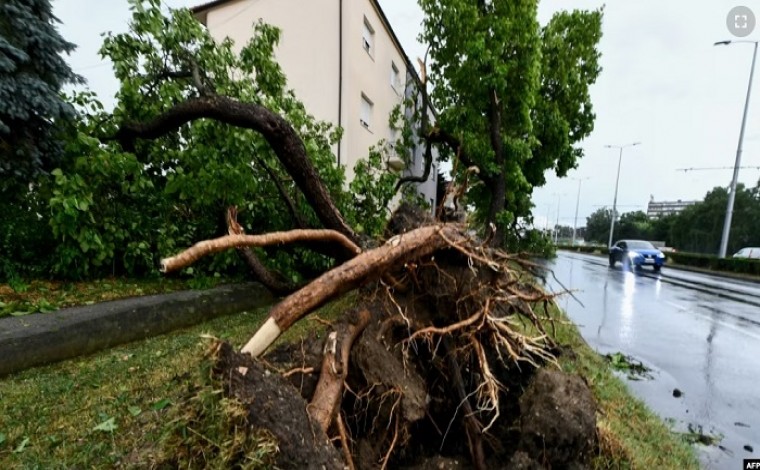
{"type": "Point", "coordinates": [695, 231]}
{"type": "Point", "coordinates": [151, 400]}
{"type": "Point", "coordinates": [40, 296]}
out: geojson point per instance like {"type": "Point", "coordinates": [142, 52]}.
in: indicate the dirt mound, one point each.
{"type": "Point", "coordinates": [273, 404]}
{"type": "Point", "coordinates": [558, 416]}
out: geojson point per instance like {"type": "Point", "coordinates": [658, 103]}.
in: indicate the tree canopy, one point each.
{"type": "Point", "coordinates": [512, 96]}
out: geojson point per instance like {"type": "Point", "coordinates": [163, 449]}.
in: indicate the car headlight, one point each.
{"type": "Point", "coordinates": [632, 254]}
{"type": "Point", "coordinates": [661, 255]}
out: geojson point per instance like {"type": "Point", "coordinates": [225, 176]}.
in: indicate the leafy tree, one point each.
{"type": "Point", "coordinates": [635, 225]}
{"type": "Point", "coordinates": [118, 205]}
{"type": "Point", "coordinates": [598, 226]}
{"type": "Point", "coordinates": [699, 227]}
{"type": "Point", "coordinates": [661, 228]}
{"type": "Point", "coordinates": [32, 73]}
{"type": "Point", "coordinates": [512, 96]}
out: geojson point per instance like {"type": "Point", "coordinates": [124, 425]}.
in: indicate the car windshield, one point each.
{"type": "Point", "coordinates": [640, 245]}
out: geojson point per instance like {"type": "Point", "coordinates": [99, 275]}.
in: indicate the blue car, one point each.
{"type": "Point", "coordinates": [636, 253]}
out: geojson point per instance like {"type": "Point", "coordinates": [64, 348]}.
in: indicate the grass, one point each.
{"type": "Point", "coordinates": [152, 401]}
{"type": "Point", "coordinates": [121, 406]}
{"type": "Point", "coordinates": [630, 435]}
{"type": "Point", "coordinates": [20, 298]}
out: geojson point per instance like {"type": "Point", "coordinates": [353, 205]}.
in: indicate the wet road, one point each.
{"type": "Point", "coordinates": [700, 334]}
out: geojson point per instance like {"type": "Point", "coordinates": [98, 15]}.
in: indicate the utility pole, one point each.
{"type": "Point", "coordinates": [617, 182]}
{"type": "Point", "coordinates": [737, 164]}
{"type": "Point", "coordinates": [577, 202]}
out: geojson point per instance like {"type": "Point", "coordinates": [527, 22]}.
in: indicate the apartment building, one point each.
{"type": "Point", "coordinates": [657, 209]}
{"type": "Point", "coordinates": [344, 62]}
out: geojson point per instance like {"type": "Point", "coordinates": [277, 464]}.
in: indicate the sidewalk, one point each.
{"type": "Point", "coordinates": [42, 338]}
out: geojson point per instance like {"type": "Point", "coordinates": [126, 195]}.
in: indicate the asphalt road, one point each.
{"type": "Point", "coordinates": [699, 333]}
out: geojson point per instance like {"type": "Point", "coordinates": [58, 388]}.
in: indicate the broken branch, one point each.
{"type": "Point", "coordinates": [207, 247]}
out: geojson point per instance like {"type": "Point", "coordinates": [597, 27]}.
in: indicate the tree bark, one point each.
{"type": "Point", "coordinates": [499, 184]}
{"type": "Point", "coordinates": [350, 275]}
{"type": "Point", "coordinates": [280, 135]}
{"type": "Point", "coordinates": [326, 400]}
{"type": "Point", "coordinates": [207, 247]}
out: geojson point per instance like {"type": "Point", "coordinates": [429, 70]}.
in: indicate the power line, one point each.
{"type": "Point", "coordinates": [718, 168]}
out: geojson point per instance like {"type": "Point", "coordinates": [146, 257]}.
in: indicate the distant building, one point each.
{"type": "Point", "coordinates": [657, 209]}
{"type": "Point", "coordinates": [344, 62]}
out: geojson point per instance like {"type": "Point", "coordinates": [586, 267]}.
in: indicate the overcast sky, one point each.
{"type": "Point", "coordinates": [663, 83]}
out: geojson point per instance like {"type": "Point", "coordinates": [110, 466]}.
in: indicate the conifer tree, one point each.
{"type": "Point", "coordinates": [32, 73]}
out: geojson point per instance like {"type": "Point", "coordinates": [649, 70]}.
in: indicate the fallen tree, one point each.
{"type": "Point", "coordinates": [444, 336]}
{"type": "Point", "coordinates": [429, 363]}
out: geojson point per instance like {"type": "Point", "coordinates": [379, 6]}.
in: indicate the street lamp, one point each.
{"type": "Point", "coordinates": [556, 226]}
{"type": "Point", "coordinates": [617, 181]}
{"type": "Point", "coordinates": [577, 202]}
{"type": "Point", "coordinates": [732, 190]}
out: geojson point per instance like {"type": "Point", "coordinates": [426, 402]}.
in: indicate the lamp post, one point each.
{"type": "Point", "coordinates": [556, 226]}
{"type": "Point", "coordinates": [737, 164]}
{"type": "Point", "coordinates": [577, 202]}
{"type": "Point", "coordinates": [617, 182]}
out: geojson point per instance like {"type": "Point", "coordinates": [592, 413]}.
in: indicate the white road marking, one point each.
{"type": "Point", "coordinates": [675, 305]}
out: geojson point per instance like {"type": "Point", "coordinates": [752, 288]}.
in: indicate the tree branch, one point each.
{"type": "Point", "coordinates": [297, 218]}
{"type": "Point", "coordinates": [260, 272]}
{"type": "Point", "coordinates": [423, 131]}
{"type": "Point", "coordinates": [280, 135]}
{"type": "Point", "coordinates": [207, 247]}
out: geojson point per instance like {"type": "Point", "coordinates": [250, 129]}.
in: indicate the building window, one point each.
{"type": "Point", "coordinates": [365, 113]}
{"type": "Point", "coordinates": [395, 77]}
{"type": "Point", "coordinates": [368, 38]}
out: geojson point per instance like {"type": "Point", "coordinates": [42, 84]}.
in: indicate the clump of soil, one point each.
{"type": "Point", "coordinates": [444, 374]}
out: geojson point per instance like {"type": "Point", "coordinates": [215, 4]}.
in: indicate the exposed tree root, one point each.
{"type": "Point", "coordinates": [324, 404]}
{"type": "Point", "coordinates": [365, 267]}
{"type": "Point", "coordinates": [431, 361]}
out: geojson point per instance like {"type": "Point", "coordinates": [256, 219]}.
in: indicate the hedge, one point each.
{"type": "Point", "coordinates": [734, 265]}
{"type": "Point", "coordinates": [584, 249]}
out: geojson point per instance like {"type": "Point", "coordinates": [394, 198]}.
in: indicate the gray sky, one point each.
{"type": "Point", "coordinates": [663, 83]}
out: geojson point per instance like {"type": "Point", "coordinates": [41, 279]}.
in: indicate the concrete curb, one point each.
{"type": "Point", "coordinates": [42, 338]}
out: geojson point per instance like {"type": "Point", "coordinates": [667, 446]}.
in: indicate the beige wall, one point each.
{"type": "Point", "coordinates": [308, 44]}
{"type": "Point", "coordinates": [368, 74]}
{"type": "Point", "coordinates": [308, 54]}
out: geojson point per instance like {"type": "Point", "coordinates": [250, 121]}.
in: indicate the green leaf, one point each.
{"type": "Point", "coordinates": [161, 404]}
{"type": "Point", "coordinates": [2, 438]}
{"type": "Point", "coordinates": [22, 446]}
{"type": "Point", "coordinates": [134, 410]}
{"type": "Point", "coordinates": [108, 425]}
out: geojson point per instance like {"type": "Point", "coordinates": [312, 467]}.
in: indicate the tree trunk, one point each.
{"type": "Point", "coordinates": [280, 135]}
{"type": "Point", "coordinates": [499, 186]}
